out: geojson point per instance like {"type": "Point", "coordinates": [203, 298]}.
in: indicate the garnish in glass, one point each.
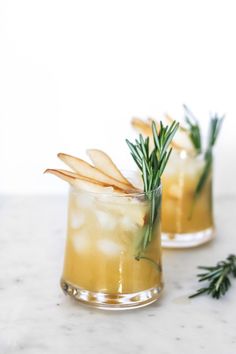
{"type": "Point", "coordinates": [152, 165]}
{"type": "Point", "coordinates": [196, 139]}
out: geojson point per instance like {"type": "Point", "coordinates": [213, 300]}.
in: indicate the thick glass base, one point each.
{"type": "Point", "coordinates": [187, 240]}
{"type": "Point", "coordinates": [112, 301]}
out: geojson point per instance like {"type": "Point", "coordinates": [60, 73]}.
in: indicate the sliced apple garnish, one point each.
{"type": "Point", "coordinates": [83, 183]}
{"type": "Point", "coordinates": [170, 120]}
{"type": "Point", "coordinates": [181, 140]}
{"type": "Point", "coordinates": [142, 126]}
{"type": "Point", "coordinates": [104, 163]}
{"type": "Point", "coordinates": [84, 169]}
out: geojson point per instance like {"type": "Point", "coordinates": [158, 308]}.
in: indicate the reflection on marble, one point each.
{"type": "Point", "coordinates": [35, 316]}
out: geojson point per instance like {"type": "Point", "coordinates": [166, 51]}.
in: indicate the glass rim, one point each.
{"type": "Point", "coordinates": [137, 194]}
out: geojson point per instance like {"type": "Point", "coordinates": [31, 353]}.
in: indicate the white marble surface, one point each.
{"type": "Point", "coordinates": [35, 316]}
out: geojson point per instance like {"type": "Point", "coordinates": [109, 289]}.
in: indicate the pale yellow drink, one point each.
{"type": "Point", "coordinates": [182, 212]}
{"type": "Point", "coordinates": [104, 234]}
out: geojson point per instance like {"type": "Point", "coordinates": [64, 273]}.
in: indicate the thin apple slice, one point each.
{"type": "Point", "coordinates": [181, 140]}
{"type": "Point", "coordinates": [142, 126]}
{"type": "Point", "coordinates": [182, 143]}
{"type": "Point", "coordinates": [170, 120]}
{"type": "Point", "coordinates": [179, 143]}
{"type": "Point", "coordinates": [85, 169]}
{"type": "Point", "coordinates": [83, 183]}
{"type": "Point", "coordinates": [104, 163]}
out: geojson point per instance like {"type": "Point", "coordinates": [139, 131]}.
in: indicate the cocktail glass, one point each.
{"type": "Point", "coordinates": [187, 216]}
{"type": "Point", "coordinates": [105, 265]}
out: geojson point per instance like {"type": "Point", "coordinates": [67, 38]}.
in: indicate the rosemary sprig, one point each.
{"type": "Point", "coordinates": [196, 138]}
{"type": "Point", "coordinates": [194, 129]}
{"type": "Point", "coordinates": [218, 277]}
{"type": "Point", "coordinates": [152, 165]}
{"type": "Point", "coordinates": [215, 126]}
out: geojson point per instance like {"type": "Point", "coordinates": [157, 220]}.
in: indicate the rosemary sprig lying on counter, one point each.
{"type": "Point", "coordinates": [218, 277]}
{"type": "Point", "coordinates": [152, 165]}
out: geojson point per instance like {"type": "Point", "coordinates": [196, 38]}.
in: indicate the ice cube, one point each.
{"type": "Point", "coordinates": [173, 166]}
{"type": "Point", "coordinates": [84, 200]}
{"type": "Point", "coordinates": [175, 191]}
{"type": "Point", "coordinates": [169, 170]}
{"type": "Point", "coordinates": [109, 248]}
{"type": "Point", "coordinates": [77, 220]}
{"type": "Point", "coordinates": [128, 224]}
{"type": "Point", "coordinates": [138, 211]}
{"type": "Point", "coordinates": [106, 220]}
{"type": "Point", "coordinates": [80, 241]}
{"type": "Point", "coordinates": [170, 207]}
{"type": "Point", "coordinates": [117, 208]}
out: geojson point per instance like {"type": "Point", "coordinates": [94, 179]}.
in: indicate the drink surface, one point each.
{"type": "Point", "coordinates": [180, 213]}
{"type": "Point", "coordinates": [102, 241]}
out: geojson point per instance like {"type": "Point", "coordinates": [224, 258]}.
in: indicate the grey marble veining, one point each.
{"type": "Point", "coordinates": [35, 316]}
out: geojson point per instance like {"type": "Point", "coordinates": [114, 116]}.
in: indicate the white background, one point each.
{"type": "Point", "coordinates": [73, 73]}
